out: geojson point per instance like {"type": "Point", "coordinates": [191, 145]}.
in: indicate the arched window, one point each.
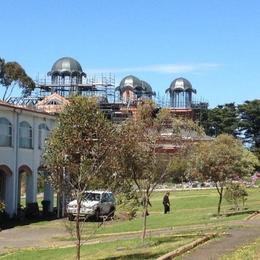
{"type": "Point", "coordinates": [25, 135]}
{"type": "Point", "coordinates": [43, 134]}
{"type": "Point", "coordinates": [54, 102]}
{"type": "Point", "coordinates": [5, 132]}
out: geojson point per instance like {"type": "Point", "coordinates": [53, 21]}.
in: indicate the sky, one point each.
{"type": "Point", "coordinates": [214, 44]}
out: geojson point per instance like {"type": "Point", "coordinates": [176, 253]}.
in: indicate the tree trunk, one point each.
{"type": "Point", "coordinates": [220, 199]}
{"type": "Point", "coordinates": [63, 205]}
{"type": "Point", "coordinates": [6, 88]}
{"type": "Point", "coordinates": [145, 205]}
{"type": "Point", "coordinates": [78, 245]}
{"type": "Point", "coordinates": [58, 204]}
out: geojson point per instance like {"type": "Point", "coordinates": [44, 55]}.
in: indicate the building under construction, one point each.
{"type": "Point", "coordinates": [66, 79]}
{"type": "Point", "coordinates": [27, 122]}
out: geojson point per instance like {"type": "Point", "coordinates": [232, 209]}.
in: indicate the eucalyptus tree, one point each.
{"type": "Point", "coordinates": [12, 74]}
{"type": "Point", "coordinates": [220, 161]}
{"type": "Point", "coordinates": [79, 152]}
{"type": "Point", "coordinates": [141, 162]}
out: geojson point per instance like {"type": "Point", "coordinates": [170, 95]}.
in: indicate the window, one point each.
{"type": "Point", "coordinates": [92, 196]}
{"type": "Point", "coordinates": [43, 134]}
{"type": "Point", "coordinates": [54, 102]}
{"type": "Point", "coordinates": [25, 135]}
{"type": "Point", "coordinates": [111, 198]}
{"type": "Point", "coordinates": [5, 132]}
{"type": "Point", "coordinates": [105, 197]}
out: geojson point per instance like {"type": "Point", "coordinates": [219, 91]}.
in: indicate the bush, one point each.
{"type": "Point", "coordinates": [127, 205]}
{"type": "Point", "coordinates": [32, 210]}
{"type": "Point", "coordinates": [235, 193]}
{"type": "Point", "coordinates": [45, 207]}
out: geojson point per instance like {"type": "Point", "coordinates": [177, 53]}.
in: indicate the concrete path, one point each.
{"type": "Point", "coordinates": [30, 236]}
{"type": "Point", "coordinates": [237, 237]}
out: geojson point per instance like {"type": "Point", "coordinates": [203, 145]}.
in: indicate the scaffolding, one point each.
{"type": "Point", "coordinates": [96, 85]}
{"type": "Point", "coordinates": [101, 86]}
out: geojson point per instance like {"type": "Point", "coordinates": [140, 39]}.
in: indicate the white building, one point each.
{"type": "Point", "coordinates": [22, 135]}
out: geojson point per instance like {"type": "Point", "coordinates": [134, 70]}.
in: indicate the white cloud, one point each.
{"type": "Point", "coordinates": [159, 68]}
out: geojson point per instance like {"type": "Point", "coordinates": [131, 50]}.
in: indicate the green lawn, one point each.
{"type": "Point", "coordinates": [124, 249]}
{"type": "Point", "coordinates": [188, 208]}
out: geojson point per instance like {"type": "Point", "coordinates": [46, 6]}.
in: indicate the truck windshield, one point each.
{"type": "Point", "coordinates": [92, 196]}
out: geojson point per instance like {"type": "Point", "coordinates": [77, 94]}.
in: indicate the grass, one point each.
{"type": "Point", "coordinates": [39, 200]}
{"type": "Point", "coordinates": [247, 252]}
{"type": "Point", "coordinates": [188, 208]}
{"type": "Point", "coordinates": [124, 249]}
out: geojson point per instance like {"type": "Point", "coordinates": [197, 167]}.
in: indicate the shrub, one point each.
{"type": "Point", "coordinates": [235, 193]}
{"type": "Point", "coordinates": [32, 210]}
{"type": "Point", "coordinates": [127, 205]}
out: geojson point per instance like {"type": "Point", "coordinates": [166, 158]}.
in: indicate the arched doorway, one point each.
{"type": "Point", "coordinates": [5, 180]}
{"type": "Point", "coordinates": [25, 186]}
{"type": "Point", "coordinates": [45, 190]}
{"type": "Point", "coordinates": [2, 185]}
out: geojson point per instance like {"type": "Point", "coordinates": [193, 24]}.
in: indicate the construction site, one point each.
{"type": "Point", "coordinates": [67, 79]}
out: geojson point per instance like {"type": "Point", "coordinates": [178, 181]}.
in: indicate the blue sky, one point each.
{"type": "Point", "coordinates": [214, 44]}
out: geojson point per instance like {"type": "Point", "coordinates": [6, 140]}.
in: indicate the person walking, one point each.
{"type": "Point", "coordinates": [166, 202]}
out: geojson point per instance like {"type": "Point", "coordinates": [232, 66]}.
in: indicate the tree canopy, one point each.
{"type": "Point", "coordinates": [221, 160]}
{"type": "Point", "coordinates": [78, 152]}
{"type": "Point", "coordinates": [11, 74]}
{"type": "Point", "coordinates": [250, 121]}
{"type": "Point", "coordinates": [222, 119]}
{"type": "Point", "coordinates": [140, 162]}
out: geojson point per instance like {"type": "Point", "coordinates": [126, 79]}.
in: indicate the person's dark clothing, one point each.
{"type": "Point", "coordinates": [166, 203]}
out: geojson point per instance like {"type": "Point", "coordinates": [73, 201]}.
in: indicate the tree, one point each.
{"type": "Point", "coordinates": [140, 163]}
{"type": "Point", "coordinates": [222, 119]}
{"type": "Point", "coordinates": [78, 152]}
{"type": "Point", "coordinates": [220, 161]}
{"type": "Point", "coordinates": [250, 122]}
{"type": "Point", "coordinates": [236, 192]}
{"type": "Point", "coordinates": [178, 165]}
{"type": "Point", "coordinates": [12, 74]}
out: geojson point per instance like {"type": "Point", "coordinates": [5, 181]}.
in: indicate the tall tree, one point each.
{"type": "Point", "coordinates": [140, 162]}
{"type": "Point", "coordinates": [12, 74]}
{"type": "Point", "coordinates": [220, 161]}
{"type": "Point", "coordinates": [222, 119]}
{"type": "Point", "coordinates": [78, 153]}
{"type": "Point", "coordinates": [250, 122]}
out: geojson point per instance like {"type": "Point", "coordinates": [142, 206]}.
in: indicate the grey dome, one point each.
{"type": "Point", "coordinates": [130, 81]}
{"type": "Point", "coordinates": [147, 87]}
{"type": "Point", "coordinates": [66, 66]}
{"type": "Point", "coordinates": [180, 84]}
{"type": "Point", "coordinates": [135, 84]}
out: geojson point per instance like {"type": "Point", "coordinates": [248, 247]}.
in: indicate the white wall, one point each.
{"type": "Point", "coordinates": [15, 157]}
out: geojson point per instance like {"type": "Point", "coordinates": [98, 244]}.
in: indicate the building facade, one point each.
{"type": "Point", "coordinates": [26, 122]}
{"type": "Point", "coordinates": [23, 132]}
